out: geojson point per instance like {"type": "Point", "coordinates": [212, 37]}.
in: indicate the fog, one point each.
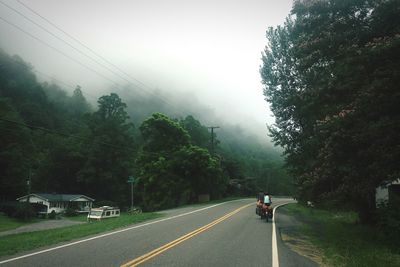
{"type": "Point", "coordinates": [197, 57]}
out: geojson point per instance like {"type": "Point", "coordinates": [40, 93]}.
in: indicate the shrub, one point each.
{"type": "Point", "coordinates": [389, 220]}
{"type": "Point", "coordinates": [9, 208]}
{"type": "Point", "coordinates": [70, 212]}
{"type": "Point", "coordinates": [24, 211]}
{"type": "Point", "coordinates": [52, 215]}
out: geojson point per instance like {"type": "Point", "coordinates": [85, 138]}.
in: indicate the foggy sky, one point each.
{"type": "Point", "coordinates": [210, 49]}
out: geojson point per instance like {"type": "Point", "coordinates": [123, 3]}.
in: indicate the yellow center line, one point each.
{"type": "Point", "coordinates": [157, 251]}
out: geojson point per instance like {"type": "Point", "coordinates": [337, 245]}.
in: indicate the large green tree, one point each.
{"type": "Point", "coordinates": [110, 151]}
{"type": "Point", "coordinates": [16, 153]}
{"type": "Point", "coordinates": [331, 75]}
{"type": "Point", "coordinates": [171, 170]}
{"type": "Point", "coordinates": [199, 134]}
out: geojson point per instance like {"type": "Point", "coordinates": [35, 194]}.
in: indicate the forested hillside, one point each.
{"type": "Point", "coordinates": [332, 75]}
{"type": "Point", "coordinates": [63, 144]}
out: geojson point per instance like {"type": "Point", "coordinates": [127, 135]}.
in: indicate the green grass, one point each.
{"type": "Point", "coordinates": [12, 244]}
{"type": "Point", "coordinates": [80, 217]}
{"type": "Point", "coordinates": [343, 241]}
{"type": "Point", "coordinates": [7, 223]}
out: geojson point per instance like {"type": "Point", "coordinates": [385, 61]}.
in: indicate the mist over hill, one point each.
{"type": "Point", "coordinates": [65, 142]}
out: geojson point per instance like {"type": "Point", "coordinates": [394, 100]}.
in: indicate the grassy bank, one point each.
{"type": "Point", "coordinates": [342, 241]}
{"type": "Point", "coordinates": [12, 244]}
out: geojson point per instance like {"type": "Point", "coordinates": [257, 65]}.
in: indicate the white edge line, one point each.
{"type": "Point", "coordinates": [112, 233]}
{"type": "Point", "coordinates": [275, 258]}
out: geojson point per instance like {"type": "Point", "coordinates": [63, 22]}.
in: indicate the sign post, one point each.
{"type": "Point", "coordinates": [131, 180]}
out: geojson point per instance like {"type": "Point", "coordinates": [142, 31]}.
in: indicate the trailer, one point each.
{"type": "Point", "coordinates": [103, 212]}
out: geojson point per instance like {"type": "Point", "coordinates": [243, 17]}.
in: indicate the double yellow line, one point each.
{"type": "Point", "coordinates": [155, 252]}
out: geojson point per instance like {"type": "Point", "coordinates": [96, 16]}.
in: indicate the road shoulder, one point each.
{"type": "Point", "coordinates": [294, 249]}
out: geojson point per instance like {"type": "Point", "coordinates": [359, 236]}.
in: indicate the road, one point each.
{"type": "Point", "coordinates": [225, 234]}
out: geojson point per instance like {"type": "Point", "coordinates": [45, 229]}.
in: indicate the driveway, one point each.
{"type": "Point", "coordinates": [42, 225]}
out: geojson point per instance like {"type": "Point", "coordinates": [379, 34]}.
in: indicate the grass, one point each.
{"type": "Point", "coordinates": [342, 240]}
{"type": "Point", "coordinates": [82, 217]}
{"type": "Point", "coordinates": [12, 244]}
{"type": "Point", "coordinates": [7, 223]}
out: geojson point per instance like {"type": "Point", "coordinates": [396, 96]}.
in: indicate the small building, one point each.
{"type": "Point", "coordinates": [47, 203]}
{"type": "Point", "coordinates": [388, 192]}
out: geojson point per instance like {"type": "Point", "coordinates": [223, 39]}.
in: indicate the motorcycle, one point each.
{"type": "Point", "coordinates": [266, 212]}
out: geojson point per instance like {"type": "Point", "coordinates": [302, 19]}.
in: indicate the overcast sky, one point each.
{"type": "Point", "coordinates": [209, 47]}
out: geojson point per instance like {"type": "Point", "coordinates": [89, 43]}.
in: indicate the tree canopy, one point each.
{"type": "Point", "coordinates": [331, 74]}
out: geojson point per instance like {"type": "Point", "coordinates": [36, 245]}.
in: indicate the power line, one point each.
{"type": "Point", "coordinates": [30, 126]}
{"type": "Point", "coordinates": [57, 50]}
{"type": "Point", "coordinates": [92, 51]}
{"type": "Point", "coordinates": [62, 40]}
{"type": "Point", "coordinates": [77, 61]}
{"type": "Point", "coordinates": [63, 83]}
{"type": "Point", "coordinates": [23, 64]}
{"type": "Point", "coordinates": [81, 43]}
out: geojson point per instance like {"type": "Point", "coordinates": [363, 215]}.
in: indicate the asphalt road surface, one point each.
{"type": "Point", "coordinates": [225, 234]}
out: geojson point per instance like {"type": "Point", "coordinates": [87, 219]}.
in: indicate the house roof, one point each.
{"type": "Point", "coordinates": [57, 197]}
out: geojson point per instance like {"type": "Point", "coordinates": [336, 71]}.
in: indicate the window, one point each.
{"type": "Point", "coordinates": [108, 213]}
{"type": "Point", "coordinates": [95, 212]}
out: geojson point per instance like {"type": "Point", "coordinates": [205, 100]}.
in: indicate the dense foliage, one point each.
{"type": "Point", "coordinates": [63, 144]}
{"type": "Point", "coordinates": [331, 74]}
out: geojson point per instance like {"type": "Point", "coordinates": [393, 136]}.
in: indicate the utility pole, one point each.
{"type": "Point", "coordinates": [212, 138]}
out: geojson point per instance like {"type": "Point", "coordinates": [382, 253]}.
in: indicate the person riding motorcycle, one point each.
{"type": "Point", "coordinates": [267, 199]}
{"type": "Point", "coordinates": [260, 202]}
{"type": "Point", "coordinates": [267, 205]}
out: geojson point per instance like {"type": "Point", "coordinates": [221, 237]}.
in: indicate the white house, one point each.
{"type": "Point", "coordinates": [48, 203]}
{"type": "Point", "coordinates": [383, 193]}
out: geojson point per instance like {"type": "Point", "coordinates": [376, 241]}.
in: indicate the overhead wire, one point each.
{"type": "Point", "coordinates": [82, 44]}
{"type": "Point", "coordinates": [58, 81]}
{"type": "Point", "coordinates": [30, 126]}
{"type": "Point", "coordinates": [57, 50]}
{"type": "Point", "coordinates": [23, 64]}
{"type": "Point", "coordinates": [62, 40]}
{"type": "Point", "coordinates": [95, 53]}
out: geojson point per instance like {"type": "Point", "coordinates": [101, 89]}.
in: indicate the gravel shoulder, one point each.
{"type": "Point", "coordinates": [289, 230]}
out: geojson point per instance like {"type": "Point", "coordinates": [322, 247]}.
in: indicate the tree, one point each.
{"type": "Point", "coordinates": [78, 102]}
{"type": "Point", "coordinates": [16, 152]}
{"type": "Point", "coordinates": [200, 170]}
{"type": "Point", "coordinates": [199, 135]}
{"type": "Point", "coordinates": [173, 172]}
{"type": "Point", "coordinates": [161, 134]}
{"type": "Point", "coordinates": [330, 76]}
{"type": "Point", "coordinates": [110, 154]}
